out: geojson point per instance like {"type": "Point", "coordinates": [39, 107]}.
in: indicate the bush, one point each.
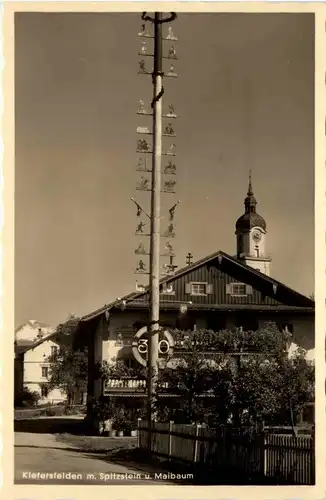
{"type": "Point", "coordinates": [27, 398]}
{"type": "Point", "coordinates": [55, 411]}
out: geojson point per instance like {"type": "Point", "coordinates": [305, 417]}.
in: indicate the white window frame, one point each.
{"type": "Point", "coordinates": [45, 368]}
{"type": "Point", "coordinates": [233, 294]}
{"type": "Point", "coordinates": [202, 283]}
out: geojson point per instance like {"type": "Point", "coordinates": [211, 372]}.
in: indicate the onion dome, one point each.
{"type": "Point", "coordinates": [250, 218]}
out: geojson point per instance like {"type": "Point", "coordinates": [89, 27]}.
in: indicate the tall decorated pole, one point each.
{"type": "Point", "coordinates": [151, 181]}
{"type": "Point", "coordinates": [154, 306]}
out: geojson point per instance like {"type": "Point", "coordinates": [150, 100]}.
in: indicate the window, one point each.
{"type": "Point", "coordinates": [198, 288]}
{"type": "Point", "coordinates": [45, 372]}
{"type": "Point", "coordinates": [238, 289]}
{"type": "Point", "coordinates": [44, 391]}
{"type": "Point", "coordinates": [54, 350]}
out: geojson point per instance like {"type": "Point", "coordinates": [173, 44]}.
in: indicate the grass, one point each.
{"type": "Point", "coordinates": [97, 444]}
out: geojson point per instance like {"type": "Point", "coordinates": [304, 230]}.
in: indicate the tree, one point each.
{"type": "Point", "coordinates": [243, 377]}
{"type": "Point", "coordinates": [250, 376]}
{"type": "Point", "coordinates": [68, 367]}
{"type": "Point", "coordinates": [297, 387]}
{"type": "Point", "coordinates": [189, 377]}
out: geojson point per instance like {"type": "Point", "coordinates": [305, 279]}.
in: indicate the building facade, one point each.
{"type": "Point", "coordinates": [217, 292]}
{"type": "Point", "coordinates": [32, 331]}
{"type": "Point", "coordinates": [32, 369]}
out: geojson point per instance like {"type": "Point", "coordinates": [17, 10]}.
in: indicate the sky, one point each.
{"type": "Point", "coordinates": [245, 100]}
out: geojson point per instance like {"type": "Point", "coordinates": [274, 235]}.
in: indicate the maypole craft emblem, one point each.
{"type": "Point", "coordinates": [140, 345]}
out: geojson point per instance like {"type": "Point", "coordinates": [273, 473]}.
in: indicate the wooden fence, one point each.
{"type": "Point", "coordinates": [255, 457]}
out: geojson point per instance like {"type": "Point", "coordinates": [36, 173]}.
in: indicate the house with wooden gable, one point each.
{"type": "Point", "coordinates": [217, 292]}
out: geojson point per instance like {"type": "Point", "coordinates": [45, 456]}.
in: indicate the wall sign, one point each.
{"type": "Point", "coordinates": [140, 345]}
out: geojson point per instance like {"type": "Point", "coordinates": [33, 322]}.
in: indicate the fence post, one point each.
{"type": "Point", "coordinates": [196, 443]}
{"type": "Point", "coordinates": [313, 457]}
{"type": "Point", "coordinates": [138, 432]}
{"type": "Point", "coordinates": [262, 451]}
{"type": "Point", "coordinates": [170, 439]}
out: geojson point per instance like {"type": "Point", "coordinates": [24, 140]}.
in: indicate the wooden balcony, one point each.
{"type": "Point", "coordinates": [127, 385]}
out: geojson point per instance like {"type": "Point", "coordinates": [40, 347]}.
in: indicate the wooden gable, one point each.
{"type": "Point", "coordinates": [224, 281]}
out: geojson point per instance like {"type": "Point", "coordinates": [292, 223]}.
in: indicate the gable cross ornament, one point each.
{"type": "Point", "coordinates": [189, 259]}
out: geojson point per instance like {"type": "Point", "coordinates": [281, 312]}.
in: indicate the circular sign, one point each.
{"type": "Point", "coordinates": [140, 345]}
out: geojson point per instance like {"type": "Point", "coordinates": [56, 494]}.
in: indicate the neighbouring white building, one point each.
{"type": "Point", "coordinates": [34, 343]}
{"type": "Point", "coordinates": [32, 331]}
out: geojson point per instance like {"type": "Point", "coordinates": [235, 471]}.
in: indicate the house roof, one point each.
{"type": "Point", "coordinates": [26, 345]}
{"type": "Point", "coordinates": [33, 324]}
{"type": "Point", "coordinates": [304, 301]}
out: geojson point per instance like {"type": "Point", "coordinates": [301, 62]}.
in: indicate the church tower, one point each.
{"type": "Point", "coordinates": [251, 236]}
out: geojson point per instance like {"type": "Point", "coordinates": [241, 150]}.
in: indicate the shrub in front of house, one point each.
{"type": "Point", "coordinates": [27, 399]}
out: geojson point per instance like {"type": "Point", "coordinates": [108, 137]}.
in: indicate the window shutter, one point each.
{"type": "Point", "coordinates": [248, 289]}
{"type": "Point", "coordinates": [187, 288]}
{"type": "Point", "coordinates": [228, 289]}
{"type": "Point", "coordinates": [209, 289]}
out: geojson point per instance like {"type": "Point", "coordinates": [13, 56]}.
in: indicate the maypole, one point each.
{"type": "Point", "coordinates": [156, 181]}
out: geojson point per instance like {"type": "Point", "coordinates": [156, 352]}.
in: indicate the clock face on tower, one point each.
{"type": "Point", "coordinates": [256, 236]}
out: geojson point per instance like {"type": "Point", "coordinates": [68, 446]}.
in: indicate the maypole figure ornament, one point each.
{"type": "Point", "coordinates": [169, 130]}
{"type": "Point", "coordinates": [171, 267]}
{"type": "Point", "coordinates": [143, 31]}
{"type": "Point", "coordinates": [172, 71]}
{"type": "Point", "coordinates": [172, 53]}
{"type": "Point", "coordinates": [172, 210]}
{"type": "Point", "coordinates": [171, 111]}
{"type": "Point", "coordinates": [142, 146]}
{"type": "Point", "coordinates": [142, 68]}
{"type": "Point", "coordinates": [170, 231]}
{"type": "Point", "coordinates": [140, 345]}
{"type": "Point", "coordinates": [143, 49]}
{"type": "Point", "coordinates": [171, 150]}
{"type": "Point", "coordinates": [143, 184]}
{"type": "Point", "coordinates": [141, 250]}
{"type": "Point", "coordinates": [140, 227]}
{"type": "Point", "coordinates": [141, 267]}
{"type": "Point", "coordinates": [169, 186]}
{"type": "Point", "coordinates": [170, 35]}
{"type": "Point", "coordinates": [170, 168]}
{"type": "Point", "coordinates": [143, 130]}
{"type": "Point", "coordinates": [140, 287]}
{"type": "Point", "coordinates": [142, 165]}
{"type": "Point", "coordinates": [169, 247]}
{"type": "Point", "coordinates": [140, 162]}
{"type": "Point", "coordinates": [141, 109]}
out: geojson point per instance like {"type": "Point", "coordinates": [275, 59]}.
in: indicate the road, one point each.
{"type": "Point", "coordinates": [41, 459]}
